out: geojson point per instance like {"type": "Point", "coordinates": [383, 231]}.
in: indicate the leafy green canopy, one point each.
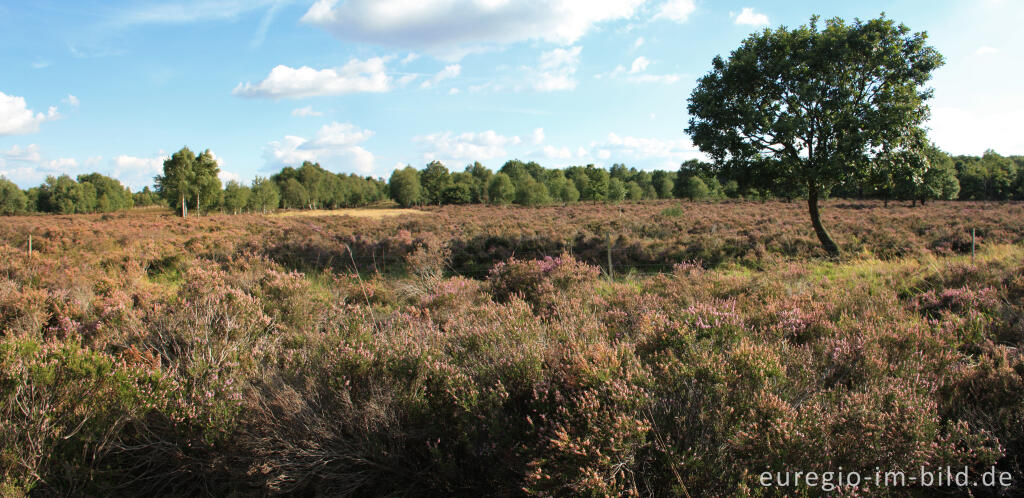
{"type": "Point", "coordinates": [810, 109]}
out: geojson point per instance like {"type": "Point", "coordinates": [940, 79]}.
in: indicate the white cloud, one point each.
{"type": "Point", "coordinates": [449, 71]}
{"type": "Point", "coordinates": [27, 166]}
{"type": "Point", "coordinates": [676, 10]}
{"type": "Point", "coordinates": [750, 18]}
{"type": "Point", "coordinates": [638, 43]}
{"type": "Point", "coordinates": [409, 58]}
{"type": "Point", "coordinates": [192, 11]}
{"type": "Point", "coordinates": [440, 26]}
{"type": "Point", "coordinates": [637, 75]}
{"type": "Point", "coordinates": [148, 164]}
{"type": "Point", "coordinates": [17, 119]}
{"type": "Point", "coordinates": [556, 69]}
{"type": "Point", "coordinates": [137, 172]}
{"type": "Point", "coordinates": [72, 101]}
{"type": "Point", "coordinates": [450, 147]}
{"type": "Point", "coordinates": [306, 112]}
{"type": "Point", "coordinates": [658, 152]}
{"type": "Point", "coordinates": [454, 91]}
{"type": "Point", "coordinates": [340, 135]}
{"type": "Point", "coordinates": [335, 147]}
{"type": "Point", "coordinates": [666, 79]}
{"type": "Point", "coordinates": [986, 50]}
{"type": "Point", "coordinates": [552, 152]}
{"type": "Point", "coordinates": [227, 176]}
{"type": "Point", "coordinates": [538, 136]}
{"type": "Point", "coordinates": [60, 165]}
{"type": "Point", "coordinates": [639, 65]}
{"type": "Point", "coordinates": [286, 82]}
{"type": "Point", "coordinates": [972, 128]}
{"type": "Point", "coordinates": [29, 153]}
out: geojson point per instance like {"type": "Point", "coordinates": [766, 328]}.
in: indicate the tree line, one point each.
{"type": "Point", "coordinates": [190, 184]}
{"type": "Point", "coordinates": [988, 177]}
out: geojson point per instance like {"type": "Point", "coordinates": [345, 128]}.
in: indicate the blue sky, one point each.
{"type": "Point", "coordinates": [365, 85]}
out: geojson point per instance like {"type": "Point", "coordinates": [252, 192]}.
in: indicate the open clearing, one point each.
{"type": "Point", "coordinates": [371, 213]}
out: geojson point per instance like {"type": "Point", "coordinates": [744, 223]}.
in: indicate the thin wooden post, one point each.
{"type": "Point", "coordinates": [972, 246]}
{"type": "Point", "coordinates": [611, 271]}
{"type": "Point", "coordinates": [30, 245]}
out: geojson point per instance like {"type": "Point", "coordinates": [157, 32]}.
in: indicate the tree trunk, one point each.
{"type": "Point", "coordinates": [826, 240]}
{"type": "Point", "coordinates": [184, 208]}
{"type": "Point", "coordinates": [197, 205]}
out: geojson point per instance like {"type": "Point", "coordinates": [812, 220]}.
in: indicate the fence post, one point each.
{"type": "Point", "coordinates": [611, 274]}
{"type": "Point", "coordinates": [30, 245]}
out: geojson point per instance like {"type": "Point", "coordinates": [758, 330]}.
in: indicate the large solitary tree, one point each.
{"type": "Point", "coordinates": [810, 108]}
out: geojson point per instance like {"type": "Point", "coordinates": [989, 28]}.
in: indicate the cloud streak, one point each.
{"type": "Point", "coordinates": [446, 26]}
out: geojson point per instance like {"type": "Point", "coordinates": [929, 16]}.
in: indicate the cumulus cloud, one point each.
{"type": "Point", "coordinates": [636, 73]}
{"type": "Point", "coordinates": [27, 166]}
{"type": "Point", "coordinates": [467, 146]}
{"type": "Point", "coordinates": [306, 112]}
{"type": "Point", "coordinates": [29, 153]}
{"type": "Point", "coordinates": [552, 152]}
{"type": "Point", "coordinates": [440, 26]}
{"type": "Point", "coordinates": [227, 176]}
{"type": "Point", "coordinates": [60, 165]}
{"type": "Point", "coordinates": [676, 10]}
{"type": "Point", "coordinates": [666, 79]}
{"type": "Point", "coordinates": [538, 136]}
{"type": "Point", "coordinates": [750, 18]}
{"type": "Point", "coordinates": [335, 146]}
{"type": "Point", "coordinates": [662, 153]}
{"type": "Point", "coordinates": [450, 71]}
{"type": "Point", "coordinates": [973, 127]}
{"type": "Point", "coordinates": [639, 65]}
{"type": "Point", "coordinates": [137, 172]}
{"type": "Point", "coordinates": [286, 82]}
{"type": "Point", "coordinates": [17, 119]}
{"type": "Point", "coordinates": [72, 101]}
{"type": "Point", "coordinates": [556, 69]}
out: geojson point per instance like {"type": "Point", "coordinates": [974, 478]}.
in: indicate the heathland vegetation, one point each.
{"type": "Point", "coordinates": [527, 330]}
{"type": "Point", "coordinates": [481, 350]}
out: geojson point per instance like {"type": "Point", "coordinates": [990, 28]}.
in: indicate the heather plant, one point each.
{"type": "Point", "coordinates": [539, 282]}
{"type": "Point", "coordinates": [335, 356]}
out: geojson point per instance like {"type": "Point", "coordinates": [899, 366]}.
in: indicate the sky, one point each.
{"type": "Point", "coordinates": [365, 86]}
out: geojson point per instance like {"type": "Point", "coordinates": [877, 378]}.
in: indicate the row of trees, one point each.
{"type": "Point", "coordinates": [918, 177]}
{"type": "Point", "coordinates": [92, 193]}
{"type": "Point", "coordinates": [190, 183]}
{"type": "Point", "coordinates": [530, 184]}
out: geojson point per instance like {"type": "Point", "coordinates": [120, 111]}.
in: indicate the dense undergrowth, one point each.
{"type": "Point", "coordinates": [241, 355]}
